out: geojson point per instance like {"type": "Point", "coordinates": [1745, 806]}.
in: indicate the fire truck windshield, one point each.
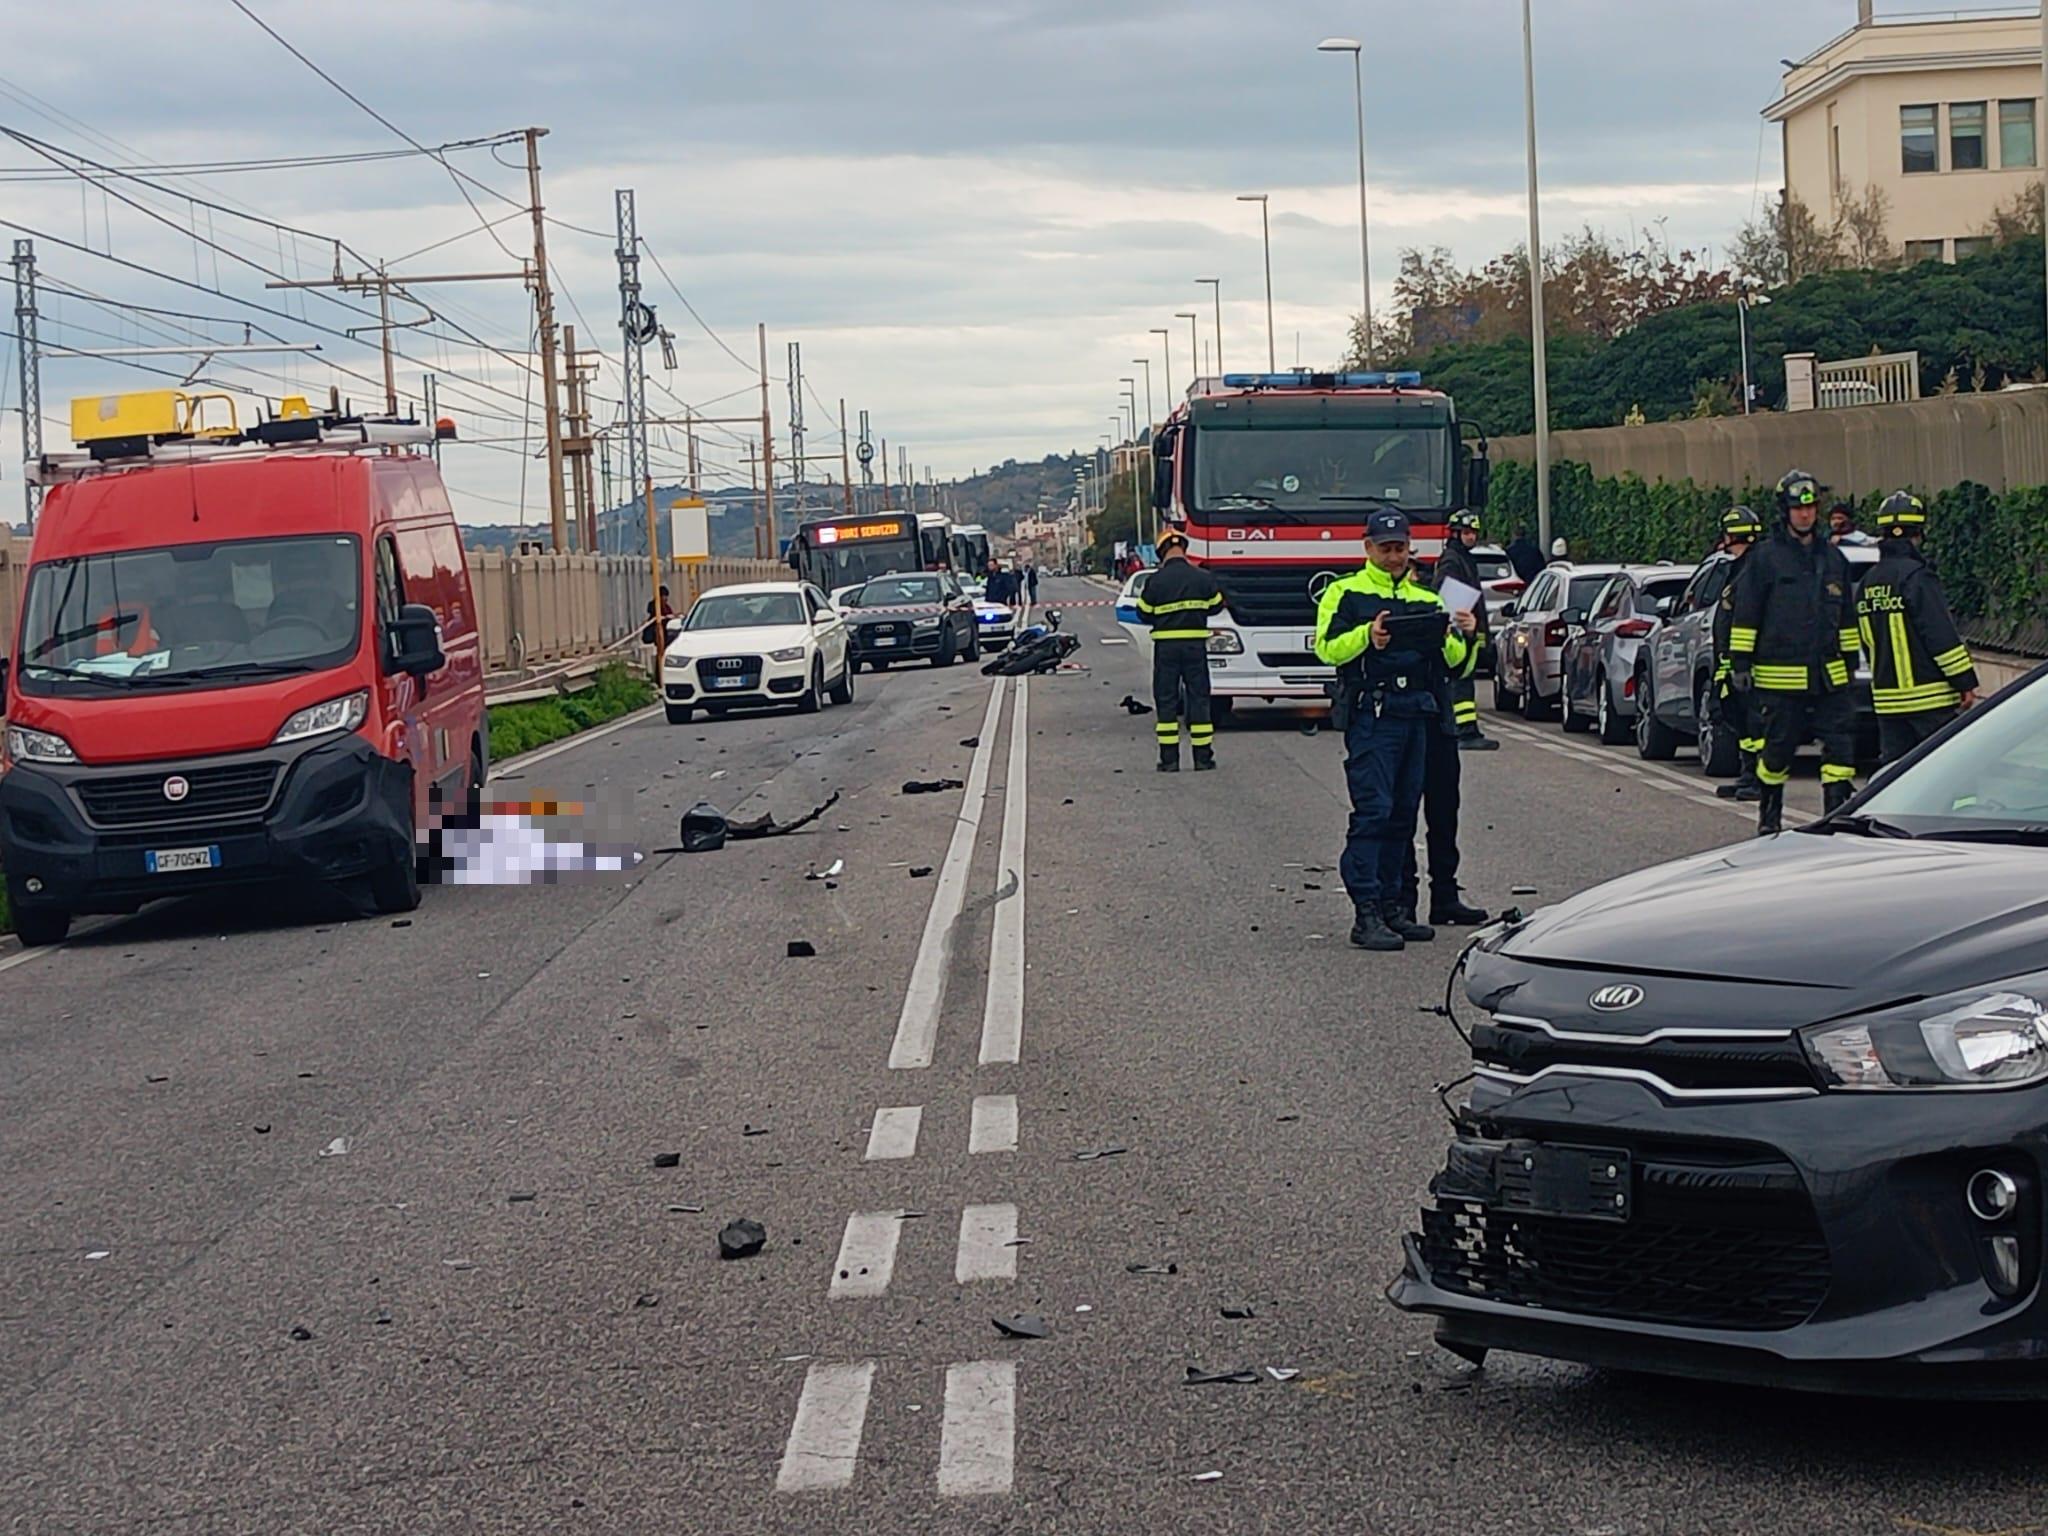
{"type": "Point", "coordinates": [1321, 470]}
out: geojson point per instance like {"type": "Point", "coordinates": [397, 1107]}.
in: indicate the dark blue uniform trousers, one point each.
{"type": "Point", "coordinates": [1383, 766]}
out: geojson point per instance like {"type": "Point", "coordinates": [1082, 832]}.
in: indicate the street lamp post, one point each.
{"type": "Point", "coordinates": [1266, 237]}
{"type": "Point", "coordinates": [1194, 346]}
{"type": "Point", "coordinates": [1356, 50]}
{"type": "Point", "coordinates": [1539, 362]}
{"type": "Point", "coordinates": [1744, 302]}
{"type": "Point", "coordinates": [1166, 351]}
{"type": "Point", "coordinates": [1151, 421]}
{"type": "Point", "coordinates": [1216, 291]}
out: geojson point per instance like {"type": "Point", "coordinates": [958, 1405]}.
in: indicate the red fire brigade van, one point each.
{"type": "Point", "coordinates": [242, 655]}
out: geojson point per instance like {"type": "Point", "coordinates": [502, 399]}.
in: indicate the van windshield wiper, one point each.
{"type": "Point", "coordinates": [2032, 834]}
{"type": "Point", "coordinates": [1245, 499]}
{"type": "Point", "coordinates": [1362, 500]}
{"type": "Point", "coordinates": [1862, 826]}
{"type": "Point", "coordinates": [239, 669]}
{"type": "Point", "coordinates": [76, 675]}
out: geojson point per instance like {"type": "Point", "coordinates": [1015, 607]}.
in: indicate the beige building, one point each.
{"type": "Point", "coordinates": [1942, 113]}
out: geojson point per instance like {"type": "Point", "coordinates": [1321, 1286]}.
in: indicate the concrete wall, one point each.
{"type": "Point", "coordinates": [1998, 440]}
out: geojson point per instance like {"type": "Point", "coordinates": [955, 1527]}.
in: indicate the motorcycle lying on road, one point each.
{"type": "Point", "coordinates": [1040, 648]}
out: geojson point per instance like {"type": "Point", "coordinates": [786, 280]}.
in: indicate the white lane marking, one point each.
{"type": "Point", "coordinates": [1648, 773]}
{"type": "Point", "coordinates": [917, 1026]}
{"type": "Point", "coordinates": [994, 1126]}
{"type": "Point", "coordinates": [894, 1133]}
{"type": "Point", "coordinates": [978, 1444]}
{"type": "Point", "coordinates": [867, 1254]}
{"type": "Point", "coordinates": [824, 1441]}
{"type": "Point", "coordinates": [988, 1235]}
{"type": "Point", "coordinates": [1002, 1013]}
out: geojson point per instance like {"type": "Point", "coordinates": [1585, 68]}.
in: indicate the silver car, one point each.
{"type": "Point", "coordinates": [1600, 655]}
{"type": "Point", "coordinates": [1529, 646]}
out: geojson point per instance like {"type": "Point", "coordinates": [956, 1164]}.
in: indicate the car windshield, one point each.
{"type": "Point", "coordinates": [745, 610]}
{"type": "Point", "coordinates": [1493, 567]}
{"type": "Point", "coordinates": [1988, 780]}
{"type": "Point", "coordinates": [1584, 589]}
{"type": "Point", "coordinates": [1303, 468]}
{"type": "Point", "coordinates": [896, 592]}
{"type": "Point", "coordinates": [1658, 588]}
{"type": "Point", "coordinates": [166, 618]}
{"type": "Point", "coordinates": [845, 565]}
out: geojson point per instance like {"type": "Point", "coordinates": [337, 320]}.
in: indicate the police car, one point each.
{"type": "Point", "coordinates": [1775, 1113]}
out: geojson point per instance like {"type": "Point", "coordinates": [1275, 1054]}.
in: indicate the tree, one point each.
{"type": "Point", "coordinates": [2017, 219]}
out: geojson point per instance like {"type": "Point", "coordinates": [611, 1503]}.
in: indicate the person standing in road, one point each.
{"type": "Point", "coordinates": [1178, 598]}
{"type": "Point", "coordinates": [1792, 638]}
{"type": "Point", "coordinates": [1920, 671]}
{"type": "Point", "coordinates": [1031, 582]}
{"type": "Point", "coordinates": [1395, 649]}
{"type": "Point", "coordinates": [1456, 564]}
{"type": "Point", "coordinates": [1740, 530]}
{"type": "Point", "coordinates": [1524, 556]}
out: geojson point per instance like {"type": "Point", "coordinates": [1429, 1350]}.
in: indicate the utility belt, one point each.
{"type": "Point", "coordinates": [1351, 693]}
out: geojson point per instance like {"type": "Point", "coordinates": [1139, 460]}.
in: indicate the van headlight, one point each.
{"type": "Point", "coordinates": [1225, 642]}
{"type": "Point", "coordinates": [27, 746]}
{"type": "Point", "coordinates": [1982, 1038]}
{"type": "Point", "coordinates": [792, 653]}
{"type": "Point", "coordinates": [342, 714]}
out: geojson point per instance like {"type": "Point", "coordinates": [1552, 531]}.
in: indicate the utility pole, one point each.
{"type": "Point", "coordinates": [638, 327]}
{"type": "Point", "coordinates": [885, 474]}
{"type": "Point", "coordinates": [690, 436]}
{"type": "Point", "coordinates": [544, 322]}
{"type": "Point", "coordinates": [845, 468]}
{"type": "Point", "coordinates": [1538, 350]}
{"type": "Point", "coordinates": [767, 513]}
{"type": "Point", "coordinates": [31, 370]}
{"type": "Point", "coordinates": [866, 454]}
{"type": "Point", "coordinates": [800, 466]}
{"type": "Point", "coordinates": [576, 444]}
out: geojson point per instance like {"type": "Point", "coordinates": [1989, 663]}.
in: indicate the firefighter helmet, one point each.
{"type": "Point", "coordinates": [1465, 517]}
{"type": "Point", "coordinates": [1738, 522]}
{"type": "Point", "coordinates": [1170, 537]}
{"type": "Point", "coordinates": [1902, 512]}
{"type": "Point", "coordinates": [1798, 489]}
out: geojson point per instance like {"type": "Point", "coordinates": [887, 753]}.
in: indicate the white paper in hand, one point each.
{"type": "Point", "coordinates": [1459, 598]}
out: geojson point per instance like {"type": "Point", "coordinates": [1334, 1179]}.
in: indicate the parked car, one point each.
{"type": "Point", "coordinates": [1773, 1113]}
{"type": "Point", "coordinates": [995, 623]}
{"type": "Point", "coordinates": [901, 618]}
{"type": "Point", "coordinates": [1127, 599]}
{"type": "Point", "coordinates": [246, 656]}
{"type": "Point", "coordinates": [764, 643]}
{"type": "Point", "coordinates": [1599, 658]}
{"type": "Point", "coordinates": [1675, 675]}
{"type": "Point", "coordinates": [1497, 579]}
{"type": "Point", "coordinates": [1530, 642]}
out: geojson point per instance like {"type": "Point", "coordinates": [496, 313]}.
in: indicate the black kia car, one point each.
{"type": "Point", "coordinates": [1776, 1113]}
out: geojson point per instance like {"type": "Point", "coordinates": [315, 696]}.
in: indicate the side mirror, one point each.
{"type": "Point", "coordinates": [1507, 610]}
{"type": "Point", "coordinates": [1573, 618]}
{"type": "Point", "coordinates": [1478, 480]}
{"type": "Point", "coordinates": [794, 563]}
{"type": "Point", "coordinates": [673, 627]}
{"type": "Point", "coordinates": [413, 642]}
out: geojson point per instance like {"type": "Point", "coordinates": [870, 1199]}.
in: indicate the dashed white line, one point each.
{"type": "Point", "coordinates": [867, 1254]}
{"type": "Point", "coordinates": [994, 1124]}
{"type": "Point", "coordinates": [1002, 1014]}
{"type": "Point", "coordinates": [917, 1026]}
{"type": "Point", "coordinates": [894, 1133]}
{"type": "Point", "coordinates": [824, 1441]}
{"type": "Point", "coordinates": [978, 1444]}
{"type": "Point", "coordinates": [988, 1235]}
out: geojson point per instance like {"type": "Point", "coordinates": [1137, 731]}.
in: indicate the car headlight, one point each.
{"type": "Point", "coordinates": [676, 663]}
{"type": "Point", "coordinates": [791, 653]}
{"type": "Point", "coordinates": [1225, 642]}
{"type": "Point", "coordinates": [27, 746]}
{"type": "Point", "coordinates": [342, 714]}
{"type": "Point", "coordinates": [1982, 1038]}
{"type": "Point", "coordinates": [924, 623]}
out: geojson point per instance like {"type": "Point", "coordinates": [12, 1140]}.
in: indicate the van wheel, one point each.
{"type": "Point", "coordinates": [678, 714]}
{"type": "Point", "coordinates": [396, 887]}
{"type": "Point", "coordinates": [37, 926]}
{"type": "Point", "coordinates": [842, 691]}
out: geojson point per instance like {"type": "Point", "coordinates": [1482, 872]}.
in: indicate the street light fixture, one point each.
{"type": "Point", "coordinates": [1166, 348]}
{"type": "Point", "coordinates": [1216, 292]}
{"type": "Point", "coordinates": [1357, 50]}
{"type": "Point", "coordinates": [1266, 235]}
{"type": "Point", "coordinates": [1744, 303]}
{"type": "Point", "coordinates": [1538, 350]}
{"type": "Point", "coordinates": [1194, 346]}
{"type": "Point", "coordinates": [1150, 420]}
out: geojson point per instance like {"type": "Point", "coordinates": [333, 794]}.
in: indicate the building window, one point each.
{"type": "Point", "coordinates": [1923, 250]}
{"type": "Point", "coordinates": [1966, 136]}
{"type": "Point", "coordinates": [1916, 140]}
{"type": "Point", "coordinates": [2016, 134]}
{"type": "Point", "coordinates": [1971, 245]}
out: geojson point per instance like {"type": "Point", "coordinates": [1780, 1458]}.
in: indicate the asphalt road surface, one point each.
{"type": "Point", "coordinates": [316, 1223]}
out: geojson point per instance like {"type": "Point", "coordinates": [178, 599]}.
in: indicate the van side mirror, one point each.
{"type": "Point", "coordinates": [413, 642]}
{"type": "Point", "coordinates": [1478, 479]}
{"type": "Point", "coordinates": [1164, 448]}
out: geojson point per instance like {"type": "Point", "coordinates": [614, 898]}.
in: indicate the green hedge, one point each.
{"type": "Point", "coordinates": [517, 728]}
{"type": "Point", "coordinates": [1992, 549]}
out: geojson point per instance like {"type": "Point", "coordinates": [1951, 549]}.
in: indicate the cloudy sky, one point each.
{"type": "Point", "coordinates": [969, 214]}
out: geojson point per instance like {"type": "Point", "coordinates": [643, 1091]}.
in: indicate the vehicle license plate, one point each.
{"type": "Point", "coordinates": [170, 861]}
{"type": "Point", "coordinates": [728, 682]}
{"type": "Point", "coordinates": [884, 640]}
{"type": "Point", "coordinates": [1590, 1183]}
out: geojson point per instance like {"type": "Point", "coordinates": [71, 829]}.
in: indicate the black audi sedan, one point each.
{"type": "Point", "coordinates": [923, 616]}
{"type": "Point", "coordinates": [1776, 1113]}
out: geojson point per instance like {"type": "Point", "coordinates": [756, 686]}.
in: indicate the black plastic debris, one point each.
{"type": "Point", "coordinates": [1025, 1325]}
{"type": "Point", "coordinates": [522, 1197]}
{"type": "Point", "coordinates": [263, 1130]}
{"type": "Point", "coordinates": [668, 1159]}
{"type": "Point", "coordinates": [1286, 1119]}
{"type": "Point", "coordinates": [704, 828]}
{"type": "Point", "coordinates": [970, 741]}
{"type": "Point", "coordinates": [301, 1333]}
{"type": "Point", "coordinates": [1197, 1377]}
{"type": "Point", "coordinates": [1522, 890]}
{"type": "Point", "coordinates": [753, 1130]}
{"type": "Point", "coordinates": [919, 871]}
{"type": "Point", "coordinates": [1135, 706]}
{"type": "Point", "coordinates": [401, 922]}
{"type": "Point", "coordinates": [931, 786]}
{"type": "Point", "coordinates": [800, 949]}
{"type": "Point", "coordinates": [1099, 1153]}
{"type": "Point", "coordinates": [647, 1299]}
{"type": "Point", "coordinates": [765, 825]}
{"type": "Point", "coordinates": [1151, 1269]}
{"type": "Point", "coordinates": [157, 1077]}
{"type": "Point", "coordinates": [1237, 1314]}
{"type": "Point", "coordinates": [741, 1239]}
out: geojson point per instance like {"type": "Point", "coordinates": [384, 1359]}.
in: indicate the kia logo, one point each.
{"type": "Point", "coordinates": [1319, 583]}
{"type": "Point", "coordinates": [1615, 999]}
{"type": "Point", "coordinates": [176, 788]}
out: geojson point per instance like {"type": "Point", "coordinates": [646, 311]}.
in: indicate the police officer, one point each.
{"type": "Point", "coordinates": [1395, 649]}
{"type": "Point", "coordinates": [1456, 564]}
{"type": "Point", "coordinates": [1792, 637]}
{"type": "Point", "coordinates": [1177, 601]}
{"type": "Point", "coordinates": [1920, 672]}
{"type": "Point", "coordinates": [1740, 529]}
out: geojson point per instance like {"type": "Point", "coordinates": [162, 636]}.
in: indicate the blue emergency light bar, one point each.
{"type": "Point", "coordinates": [1402, 380]}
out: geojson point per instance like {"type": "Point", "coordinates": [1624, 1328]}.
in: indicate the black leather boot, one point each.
{"type": "Point", "coordinates": [1402, 921]}
{"type": "Point", "coordinates": [1452, 911]}
{"type": "Point", "coordinates": [1369, 931]}
{"type": "Point", "coordinates": [1205, 759]}
{"type": "Point", "coordinates": [1834, 796]}
{"type": "Point", "coordinates": [1745, 786]}
{"type": "Point", "coordinates": [1770, 809]}
{"type": "Point", "coordinates": [1169, 759]}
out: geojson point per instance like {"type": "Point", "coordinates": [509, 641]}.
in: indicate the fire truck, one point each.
{"type": "Point", "coordinates": [1272, 475]}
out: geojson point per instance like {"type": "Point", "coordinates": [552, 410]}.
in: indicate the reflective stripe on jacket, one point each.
{"type": "Point", "coordinates": [1792, 624]}
{"type": "Point", "coordinates": [1177, 600]}
{"type": "Point", "coordinates": [1917, 659]}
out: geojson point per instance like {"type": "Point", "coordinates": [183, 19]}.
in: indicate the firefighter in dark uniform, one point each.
{"type": "Point", "coordinates": [1920, 672]}
{"type": "Point", "coordinates": [1740, 529]}
{"type": "Point", "coordinates": [1456, 564]}
{"type": "Point", "coordinates": [1396, 650]}
{"type": "Point", "coordinates": [1442, 775]}
{"type": "Point", "coordinates": [1792, 639]}
{"type": "Point", "coordinates": [1177, 600]}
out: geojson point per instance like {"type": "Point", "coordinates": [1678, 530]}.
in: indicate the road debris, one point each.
{"type": "Point", "coordinates": [741, 1239]}
{"type": "Point", "coordinates": [831, 872]}
{"type": "Point", "coordinates": [1241, 1377]}
{"type": "Point", "coordinates": [1521, 890]}
{"type": "Point", "coordinates": [522, 1197]}
{"type": "Point", "coordinates": [1025, 1325]}
{"type": "Point", "coordinates": [1237, 1314]}
{"type": "Point", "coordinates": [1133, 706]}
{"type": "Point", "coordinates": [970, 741]}
{"type": "Point", "coordinates": [1089, 1157]}
{"type": "Point", "coordinates": [1206, 1477]}
{"type": "Point", "coordinates": [1151, 1269]}
{"type": "Point", "coordinates": [668, 1159]}
{"type": "Point", "coordinates": [301, 1333]}
{"type": "Point", "coordinates": [800, 949]}
{"type": "Point", "coordinates": [336, 1148]}
{"type": "Point", "coordinates": [920, 871]}
{"type": "Point", "coordinates": [686, 1210]}
{"type": "Point", "coordinates": [647, 1299]}
{"type": "Point", "coordinates": [931, 786]}
{"type": "Point", "coordinates": [157, 1077]}
{"type": "Point", "coordinates": [753, 1130]}
{"type": "Point", "coordinates": [1282, 1372]}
